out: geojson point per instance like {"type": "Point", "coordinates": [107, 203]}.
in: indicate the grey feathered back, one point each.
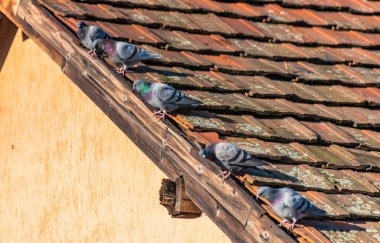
{"type": "Point", "coordinates": [167, 98]}
{"type": "Point", "coordinates": [126, 54]}
{"type": "Point", "coordinates": [233, 157]}
{"type": "Point", "coordinates": [288, 204]}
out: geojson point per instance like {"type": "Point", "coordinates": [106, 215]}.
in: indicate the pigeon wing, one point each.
{"type": "Point", "coordinates": [126, 51]}
{"type": "Point", "coordinates": [245, 159]}
{"type": "Point", "coordinates": [228, 154]}
{"type": "Point", "coordinates": [301, 205]}
{"type": "Point", "coordinates": [292, 199]}
{"type": "Point", "coordinates": [170, 95]}
{"type": "Point", "coordinates": [96, 32]}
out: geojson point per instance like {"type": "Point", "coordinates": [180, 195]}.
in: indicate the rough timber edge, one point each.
{"type": "Point", "coordinates": [227, 204]}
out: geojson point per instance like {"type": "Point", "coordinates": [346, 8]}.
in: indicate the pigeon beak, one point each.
{"type": "Point", "coordinates": [257, 198]}
{"type": "Point", "coordinates": [204, 156]}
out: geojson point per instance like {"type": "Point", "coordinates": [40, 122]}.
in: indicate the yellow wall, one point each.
{"type": "Point", "coordinates": [67, 173]}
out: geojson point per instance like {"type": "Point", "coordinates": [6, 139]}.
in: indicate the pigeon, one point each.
{"type": "Point", "coordinates": [230, 156]}
{"type": "Point", "coordinates": [162, 96]}
{"type": "Point", "coordinates": [123, 53]}
{"type": "Point", "coordinates": [288, 204]}
{"type": "Point", "coordinates": [88, 34]}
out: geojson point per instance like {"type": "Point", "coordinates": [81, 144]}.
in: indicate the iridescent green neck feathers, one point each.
{"type": "Point", "coordinates": [144, 88]}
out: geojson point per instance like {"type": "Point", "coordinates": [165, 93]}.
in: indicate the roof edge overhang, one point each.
{"type": "Point", "coordinates": [226, 203]}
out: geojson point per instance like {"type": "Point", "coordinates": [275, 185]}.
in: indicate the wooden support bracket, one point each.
{"type": "Point", "coordinates": [173, 197]}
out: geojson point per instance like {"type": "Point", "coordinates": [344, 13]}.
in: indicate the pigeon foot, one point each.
{"type": "Point", "coordinates": [225, 175]}
{"type": "Point", "coordinates": [291, 227]}
{"type": "Point", "coordinates": [92, 54]}
{"type": "Point", "coordinates": [121, 70]}
{"type": "Point", "coordinates": [283, 222]}
{"type": "Point", "coordinates": [160, 115]}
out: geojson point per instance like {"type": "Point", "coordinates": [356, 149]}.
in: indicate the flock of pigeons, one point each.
{"type": "Point", "coordinates": [159, 95]}
{"type": "Point", "coordinates": [287, 203]}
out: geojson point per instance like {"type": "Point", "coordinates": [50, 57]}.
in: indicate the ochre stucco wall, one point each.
{"type": "Point", "coordinates": [67, 173]}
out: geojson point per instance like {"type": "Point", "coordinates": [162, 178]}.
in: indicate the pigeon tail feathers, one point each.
{"type": "Point", "coordinates": [144, 55]}
{"type": "Point", "coordinates": [188, 101]}
{"type": "Point", "coordinates": [315, 211]}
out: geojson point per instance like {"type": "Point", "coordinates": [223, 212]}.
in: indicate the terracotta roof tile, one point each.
{"type": "Point", "coordinates": [268, 12]}
{"type": "Point", "coordinates": [366, 138]}
{"type": "Point", "coordinates": [349, 181]}
{"type": "Point", "coordinates": [323, 201]}
{"type": "Point", "coordinates": [361, 6]}
{"type": "Point", "coordinates": [333, 156]}
{"type": "Point", "coordinates": [128, 32]}
{"type": "Point", "coordinates": [226, 25]}
{"type": "Point", "coordinates": [362, 117]}
{"type": "Point", "coordinates": [212, 23]}
{"type": "Point", "coordinates": [331, 133]}
{"type": "Point", "coordinates": [373, 178]}
{"type": "Point", "coordinates": [359, 205]}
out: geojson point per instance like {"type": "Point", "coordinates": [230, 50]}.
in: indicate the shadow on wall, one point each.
{"type": "Point", "coordinates": [7, 33]}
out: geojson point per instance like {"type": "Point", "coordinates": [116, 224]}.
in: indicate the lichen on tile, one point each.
{"type": "Point", "coordinates": [376, 236]}
{"type": "Point", "coordinates": [253, 148]}
{"type": "Point", "coordinates": [169, 18]}
{"type": "Point", "coordinates": [204, 122]}
{"type": "Point", "coordinates": [205, 101]}
{"type": "Point", "coordinates": [343, 181]}
{"type": "Point", "coordinates": [359, 137]}
{"type": "Point", "coordinates": [358, 206]}
{"type": "Point", "coordinates": [139, 17]}
{"type": "Point", "coordinates": [346, 183]}
{"type": "Point", "coordinates": [290, 152]}
{"type": "Point", "coordinates": [169, 79]}
{"type": "Point", "coordinates": [250, 128]}
{"type": "Point", "coordinates": [371, 229]}
{"type": "Point", "coordinates": [328, 209]}
{"type": "Point", "coordinates": [180, 42]}
{"type": "Point", "coordinates": [212, 80]}
{"type": "Point", "coordinates": [307, 177]}
{"type": "Point", "coordinates": [339, 236]}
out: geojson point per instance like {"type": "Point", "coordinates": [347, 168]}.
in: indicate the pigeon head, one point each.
{"type": "Point", "coordinates": [81, 24]}
{"type": "Point", "coordinates": [205, 153]}
{"type": "Point", "coordinates": [141, 87]}
{"type": "Point", "coordinates": [266, 192]}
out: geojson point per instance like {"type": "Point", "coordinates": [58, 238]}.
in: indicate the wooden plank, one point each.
{"type": "Point", "coordinates": [174, 199]}
{"type": "Point", "coordinates": [7, 32]}
{"type": "Point", "coordinates": [183, 203]}
{"type": "Point", "coordinates": [217, 213]}
{"type": "Point", "coordinates": [167, 195]}
{"type": "Point", "coordinates": [115, 97]}
{"type": "Point", "coordinates": [9, 7]}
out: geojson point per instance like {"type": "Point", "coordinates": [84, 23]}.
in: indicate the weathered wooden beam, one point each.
{"type": "Point", "coordinates": [9, 8]}
{"type": "Point", "coordinates": [167, 195]}
{"type": "Point", "coordinates": [7, 33]}
{"type": "Point", "coordinates": [183, 201]}
{"type": "Point", "coordinates": [226, 203]}
{"type": "Point", "coordinates": [218, 214]}
{"type": "Point", "coordinates": [174, 198]}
